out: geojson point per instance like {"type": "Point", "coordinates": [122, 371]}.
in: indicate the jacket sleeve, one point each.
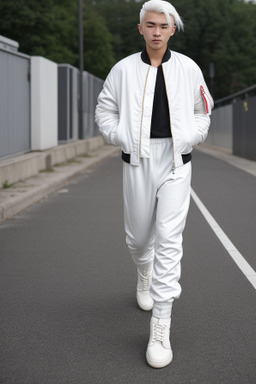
{"type": "Point", "coordinates": [107, 112]}
{"type": "Point", "coordinates": [202, 108]}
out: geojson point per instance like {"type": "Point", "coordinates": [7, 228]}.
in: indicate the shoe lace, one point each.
{"type": "Point", "coordinates": [159, 332]}
{"type": "Point", "coordinates": [145, 279]}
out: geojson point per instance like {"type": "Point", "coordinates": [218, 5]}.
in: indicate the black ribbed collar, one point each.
{"type": "Point", "coordinates": [145, 57]}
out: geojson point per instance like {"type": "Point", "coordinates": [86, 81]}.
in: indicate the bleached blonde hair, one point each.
{"type": "Point", "coordinates": [161, 6]}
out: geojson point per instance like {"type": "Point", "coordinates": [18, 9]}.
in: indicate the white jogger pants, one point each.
{"type": "Point", "coordinates": [156, 203]}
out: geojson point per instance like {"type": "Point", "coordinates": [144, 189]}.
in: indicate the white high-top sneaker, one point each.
{"type": "Point", "coordinates": [159, 351]}
{"type": "Point", "coordinates": [145, 302]}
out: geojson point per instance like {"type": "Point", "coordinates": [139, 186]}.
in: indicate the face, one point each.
{"type": "Point", "coordinates": [155, 30]}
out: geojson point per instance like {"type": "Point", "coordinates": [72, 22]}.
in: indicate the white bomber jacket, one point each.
{"type": "Point", "coordinates": [124, 108]}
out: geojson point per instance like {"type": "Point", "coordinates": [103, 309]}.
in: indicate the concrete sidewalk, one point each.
{"type": "Point", "coordinates": [248, 166]}
{"type": "Point", "coordinates": [27, 179]}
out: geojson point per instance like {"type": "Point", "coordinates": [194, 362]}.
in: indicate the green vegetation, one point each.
{"type": "Point", "coordinates": [48, 170]}
{"type": "Point", "coordinates": [222, 32]}
{"type": "Point", "coordinates": [6, 184]}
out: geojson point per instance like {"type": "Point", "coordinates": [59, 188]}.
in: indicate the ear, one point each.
{"type": "Point", "coordinates": [173, 30]}
{"type": "Point", "coordinates": [140, 29]}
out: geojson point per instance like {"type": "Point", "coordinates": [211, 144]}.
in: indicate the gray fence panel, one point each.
{"type": "Point", "coordinates": [98, 84]}
{"type": "Point", "coordinates": [244, 128]}
{"type": "Point", "coordinates": [90, 106]}
{"type": "Point", "coordinates": [221, 129]}
{"type": "Point", "coordinates": [92, 86]}
{"type": "Point", "coordinates": [67, 103]}
{"type": "Point", "coordinates": [63, 108]}
{"type": "Point", "coordinates": [86, 98]}
{"type": "Point", "coordinates": [75, 102]}
{"type": "Point", "coordinates": [14, 104]}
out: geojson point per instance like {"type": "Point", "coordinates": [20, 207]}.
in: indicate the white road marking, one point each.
{"type": "Point", "coordinates": [240, 261]}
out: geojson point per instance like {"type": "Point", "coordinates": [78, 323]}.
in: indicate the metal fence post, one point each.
{"type": "Point", "coordinates": [81, 68]}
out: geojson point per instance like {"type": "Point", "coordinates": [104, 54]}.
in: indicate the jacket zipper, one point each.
{"type": "Point", "coordinates": [173, 166]}
{"type": "Point", "coordinates": [142, 113]}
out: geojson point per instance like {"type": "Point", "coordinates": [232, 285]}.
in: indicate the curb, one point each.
{"type": "Point", "coordinates": [46, 184]}
{"type": "Point", "coordinates": [24, 166]}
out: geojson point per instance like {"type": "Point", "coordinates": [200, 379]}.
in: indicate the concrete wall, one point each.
{"type": "Point", "coordinates": [27, 165]}
{"type": "Point", "coordinates": [44, 103]}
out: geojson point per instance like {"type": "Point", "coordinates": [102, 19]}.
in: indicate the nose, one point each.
{"type": "Point", "coordinates": [157, 31]}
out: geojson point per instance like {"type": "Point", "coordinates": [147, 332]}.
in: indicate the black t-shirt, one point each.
{"type": "Point", "coordinates": [160, 120]}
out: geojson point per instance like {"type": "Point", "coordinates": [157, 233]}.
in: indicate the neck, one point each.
{"type": "Point", "coordinates": [156, 55]}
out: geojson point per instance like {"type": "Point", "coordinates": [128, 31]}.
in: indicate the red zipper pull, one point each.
{"type": "Point", "coordinates": [205, 100]}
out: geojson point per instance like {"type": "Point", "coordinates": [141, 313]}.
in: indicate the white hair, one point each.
{"type": "Point", "coordinates": [161, 6]}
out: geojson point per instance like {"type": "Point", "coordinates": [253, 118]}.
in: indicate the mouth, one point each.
{"type": "Point", "coordinates": [156, 41]}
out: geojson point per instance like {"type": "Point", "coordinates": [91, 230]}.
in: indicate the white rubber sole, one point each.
{"type": "Point", "coordinates": [159, 364]}
{"type": "Point", "coordinates": [143, 306]}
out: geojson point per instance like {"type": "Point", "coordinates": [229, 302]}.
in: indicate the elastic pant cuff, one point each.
{"type": "Point", "coordinates": [162, 310]}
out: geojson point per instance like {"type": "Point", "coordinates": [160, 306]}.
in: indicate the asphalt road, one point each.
{"type": "Point", "coordinates": [68, 313]}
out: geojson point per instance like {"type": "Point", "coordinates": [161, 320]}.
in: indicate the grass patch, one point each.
{"type": "Point", "coordinates": [48, 170]}
{"type": "Point", "coordinates": [6, 184]}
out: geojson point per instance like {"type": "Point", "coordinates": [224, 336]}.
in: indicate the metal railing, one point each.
{"type": "Point", "coordinates": [233, 124]}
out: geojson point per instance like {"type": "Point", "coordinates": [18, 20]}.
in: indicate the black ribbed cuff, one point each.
{"type": "Point", "coordinates": [186, 158]}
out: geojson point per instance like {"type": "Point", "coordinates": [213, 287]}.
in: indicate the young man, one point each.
{"type": "Point", "coordinates": [156, 106]}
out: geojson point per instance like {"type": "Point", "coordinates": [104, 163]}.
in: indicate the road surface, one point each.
{"type": "Point", "coordinates": [68, 311]}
